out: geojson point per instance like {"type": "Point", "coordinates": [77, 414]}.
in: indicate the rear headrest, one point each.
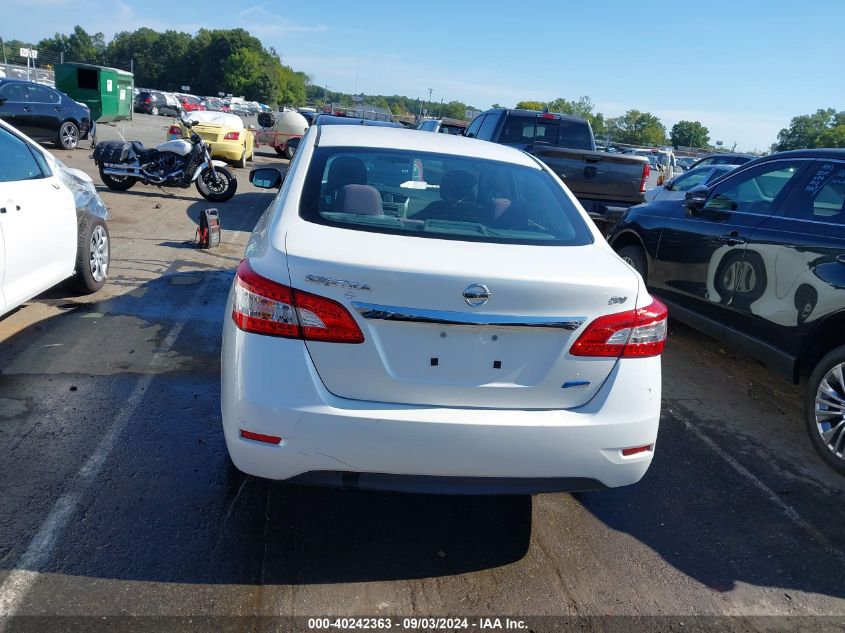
{"type": "Point", "coordinates": [457, 185]}
{"type": "Point", "coordinates": [346, 170]}
{"type": "Point", "coordinates": [361, 200]}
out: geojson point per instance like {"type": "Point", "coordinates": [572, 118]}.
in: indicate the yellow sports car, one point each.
{"type": "Point", "coordinates": [229, 139]}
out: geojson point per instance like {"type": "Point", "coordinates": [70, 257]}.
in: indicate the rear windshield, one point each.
{"type": "Point", "coordinates": [439, 196]}
{"type": "Point", "coordinates": [560, 132]}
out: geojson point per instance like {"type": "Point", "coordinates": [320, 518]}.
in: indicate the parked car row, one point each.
{"type": "Point", "coordinates": [155, 102]}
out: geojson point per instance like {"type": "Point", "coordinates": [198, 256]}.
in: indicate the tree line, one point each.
{"type": "Point", "coordinates": [825, 128]}
{"type": "Point", "coordinates": [214, 60]}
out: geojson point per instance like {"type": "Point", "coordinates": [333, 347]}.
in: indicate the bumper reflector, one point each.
{"type": "Point", "coordinates": [260, 437]}
{"type": "Point", "coordinates": [627, 452]}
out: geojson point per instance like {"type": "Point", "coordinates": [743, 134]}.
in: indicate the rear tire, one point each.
{"type": "Point", "coordinates": [68, 135]}
{"type": "Point", "coordinates": [154, 110]}
{"type": "Point", "coordinates": [220, 190]}
{"type": "Point", "coordinates": [828, 417]}
{"type": "Point", "coordinates": [93, 253]}
{"type": "Point", "coordinates": [117, 183]}
{"type": "Point", "coordinates": [634, 256]}
{"type": "Point", "coordinates": [289, 152]}
{"type": "Point", "coordinates": [242, 162]}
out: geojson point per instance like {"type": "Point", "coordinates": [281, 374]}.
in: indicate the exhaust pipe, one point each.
{"type": "Point", "coordinates": [139, 173]}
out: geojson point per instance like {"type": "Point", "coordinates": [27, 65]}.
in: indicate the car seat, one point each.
{"type": "Point", "coordinates": [343, 170]}
{"type": "Point", "coordinates": [457, 199]}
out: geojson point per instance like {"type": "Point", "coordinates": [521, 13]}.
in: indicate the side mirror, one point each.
{"type": "Point", "coordinates": [266, 178]}
{"type": "Point", "coordinates": [695, 199]}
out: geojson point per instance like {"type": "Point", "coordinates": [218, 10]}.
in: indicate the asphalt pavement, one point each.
{"type": "Point", "coordinates": [118, 499]}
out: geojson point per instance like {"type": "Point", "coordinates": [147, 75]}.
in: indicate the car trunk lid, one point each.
{"type": "Point", "coordinates": [425, 344]}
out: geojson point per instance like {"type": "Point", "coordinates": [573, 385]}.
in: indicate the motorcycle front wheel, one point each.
{"type": "Point", "coordinates": [218, 187]}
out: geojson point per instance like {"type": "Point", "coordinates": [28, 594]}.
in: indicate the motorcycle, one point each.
{"type": "Point", "coordinates": [176, 163]}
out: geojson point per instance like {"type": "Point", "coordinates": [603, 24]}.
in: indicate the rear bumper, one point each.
{"type": "Point", "coordinates": [226, 151]}
{"type": "Point", "coordinates": [270, 386]}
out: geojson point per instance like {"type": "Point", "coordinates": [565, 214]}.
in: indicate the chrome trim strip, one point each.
{"type": "Point", "coordinates": [441, 317]}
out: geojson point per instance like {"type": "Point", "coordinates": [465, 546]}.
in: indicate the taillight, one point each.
{"type": "Point", "coordinates": [266, 307]}
{"type": "Point", "coordinates": [646, 172]}
{"type": "Point", "coordinates": [148, 100]}
{"type": "Point", "coordinates": [633, 334]}
{"type": "Point", "coordinates": [232, 136]}
{"type": "Point", "coordinates": [174, 130]}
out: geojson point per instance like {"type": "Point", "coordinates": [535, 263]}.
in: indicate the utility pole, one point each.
{"type": "Point", "coordinates": [3, 46]}
{"type": "Point", "coordinates": [428, 106]}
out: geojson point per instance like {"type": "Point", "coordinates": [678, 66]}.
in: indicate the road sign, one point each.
{"type": "Point", "coordinates": [29, 52]}
{"type": "Point", "coordinates": [719, 143]}
{"type": "Point", "coordinates": [186, 88]}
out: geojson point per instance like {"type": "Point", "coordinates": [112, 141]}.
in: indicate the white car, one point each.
{"type": "Point", "coordinates": [430, 313]}
{"type": "Point", "coordinates": [52, 223]}
{"type": "Point", "coordinates": [677, 188]}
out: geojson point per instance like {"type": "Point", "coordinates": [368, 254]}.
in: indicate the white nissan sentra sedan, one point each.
{"type": "Point", "coordinates": [431, 313]}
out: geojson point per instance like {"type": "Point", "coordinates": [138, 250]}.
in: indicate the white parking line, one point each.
{"type": "Point", "coordinates": [22, 578]}
{"type": "Point", "coordinates": [787, 509]}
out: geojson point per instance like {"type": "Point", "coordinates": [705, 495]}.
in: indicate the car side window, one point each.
{"type": "Point", "coordinates": [14, 93]}
{"type": "Point", "coordinates": [755, 190]}
{"type": "Point", "coordinates": [823, 197]}
{"type": "Point", "coordinates": [16, 159]}
{"type": "Point", "coordinates": [487, 128]}
{"type": "Point", "coordinates": [688, 181]}
{"type": "Point", "coordinates": [40, 94]}
{"type": "Point", "coordinates": [473, 128]}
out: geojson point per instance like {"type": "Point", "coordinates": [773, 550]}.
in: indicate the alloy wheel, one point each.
{"type": "Point", "coordinates": [98, 258]}
{"type": "Point", "coordinates": [69, 135]}
{"type": "Point", "coordinates": [830, 410]}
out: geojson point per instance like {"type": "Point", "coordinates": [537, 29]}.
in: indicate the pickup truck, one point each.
{"type": "Point", "coordinates": [606, 184]}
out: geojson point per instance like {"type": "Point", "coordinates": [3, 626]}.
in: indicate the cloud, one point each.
{"type": "Point", "coordinates": [259, 21]}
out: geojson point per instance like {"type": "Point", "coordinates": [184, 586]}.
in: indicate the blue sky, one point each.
{"type": "Point", "coordinates": [741, 67]}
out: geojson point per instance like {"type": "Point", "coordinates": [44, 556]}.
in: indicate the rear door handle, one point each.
{"type": "Point", "coordinates": [27, 109]}
{"type": "Point", "coordinates": [57, 109]}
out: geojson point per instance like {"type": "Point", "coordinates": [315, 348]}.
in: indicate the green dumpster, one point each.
{"type": "Point", "coordinates": [107, 91]}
